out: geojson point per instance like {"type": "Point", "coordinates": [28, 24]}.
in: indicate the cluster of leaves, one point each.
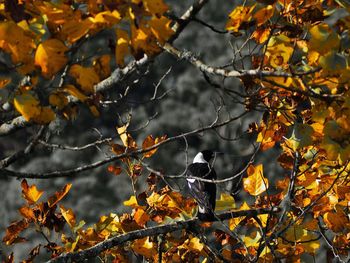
{"type": "Point", "coordinates": [41, 216]}
{"type": "Point", "coordinates": [42, 40]}
{"type": "Point", "coordinates": [308, 115]}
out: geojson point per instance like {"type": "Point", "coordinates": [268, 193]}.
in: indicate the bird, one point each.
{"type": "Point", "coordinates": [203, 192]}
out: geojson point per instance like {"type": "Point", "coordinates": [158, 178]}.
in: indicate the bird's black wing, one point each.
{"type": "Point", "coordinates": [203, 192]}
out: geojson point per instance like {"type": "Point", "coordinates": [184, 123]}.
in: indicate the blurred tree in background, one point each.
{"type": "Point", "coordinates": [105, 103]}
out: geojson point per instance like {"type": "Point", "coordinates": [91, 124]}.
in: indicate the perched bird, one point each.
{"type": "Point", "coordinates": [203, 192]}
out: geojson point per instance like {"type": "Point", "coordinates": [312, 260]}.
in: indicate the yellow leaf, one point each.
{"type": "Point", "coordinates": [264, 14]}
{"type": "Point", "coordinates": [122, 46]}
{"type": "Point", "coordinates": [102, 66]}
{"type": "Point", "coordinates": [255, 183]}
{"type": "Point", "coordinates": [239, 15]}
{"type": "Point", "coordinates": [143, 41]}
{"type": "Point", "coordinates": [123, 134]}
{"type": "Point", "coordinates": [156, 7]}
{"type": "Point", "coordinates": [253, 240]}
{"type": "Point", "coordinates": [70, 89]}
{"type": "Point", "coordinates": [30, 193]}
{"type": "Point", "coordinates": [50, 56]}
{"type": "Point", "coordinates": [108, 17]}
{"type": "Point", "coordinates": [68, 215]}
{"type": "Point", "coordinates": [27, 105]}
{"type": "Point", "coordinates": [144, 247]}
{"type": "Point", "coordinates": [226, 202]}
{"type": "Point", "coordinates": [195, 244]}
{"type": "Point", "coordinates": [161, 29]}
{"type": "Point", "coordinates": [131, 202]}
{"type": "Point", "coordinates": [85, 77]}
{"type": "Point", "coordinates": [19, 44]}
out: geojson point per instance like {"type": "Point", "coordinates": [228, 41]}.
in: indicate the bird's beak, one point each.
{"type": "Point", "coordinates": [218, 153]}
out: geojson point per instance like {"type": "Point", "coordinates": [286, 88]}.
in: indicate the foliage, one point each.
{"type": "Point", "coordinates": [292, 66]}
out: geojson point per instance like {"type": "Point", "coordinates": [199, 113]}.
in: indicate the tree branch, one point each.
{"type": "Point", "coordinates": [152, 231]}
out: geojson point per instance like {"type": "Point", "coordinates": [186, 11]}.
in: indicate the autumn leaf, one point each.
{"type": "Point", "coordinates": [27, 104]}
{"type": "Point", "coordinates": [50, 56]}
{"type": "Point", "coordinates": [122, 46]}
{"type": "Point", "coordinates": [58, 196]}
{"type": "Point", "coordinates": [30, 193]}
{"type": "Point", "coordinates": [240, 15]}
{"type": "Point", "coordinates": [70, 89]}
{"type": "Point", "coordinates": [4, 82]}
{"type": "Point", "coordinates": [336, 221]}
{"type": "Point", "coordinates": [131, 202]}
{"type": "Point", "coordinates": [156, 7]}
{"type": "Point", "coordinates": [27, 212]}
{"type": "Point", "coordinates": [264, 14]}
{"type": "Point", "coordinates": [85, 77]}
{"type": "Point", "coordinates": [14, 230]}
{"type": "Point", "coordinates": [73, 30]}
{"type": "Point", "coordinates": [144, 247]}
{"type": "Point", "coordinates": [255, 183]}
{"type": "Point", "coordinates": [141, 216]}
{"type": "Point", "coordinates": [68, 215]}
{"type": "Point", "coordinates": [147, 143]}
{"type": "Point", "coordinates": [226, 202]}
{"type": "Point", "coordinates": [161, 29]}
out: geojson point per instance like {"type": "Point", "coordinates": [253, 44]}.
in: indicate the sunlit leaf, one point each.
{"type": "Point", "coordinates": [68, 215]}
{"type": "Point", "coordinates": [264, 14]}
{"type": "Point", "coordinates": [336, 221]}
{"type": "Point", "coordinates": [27, 104]}
{"type": "Point", "coordinates": [30, 193]}
{"type": "Point", "coordinates": [226, 202]}
{"type": "Point", "coordinates": [255, 183]}
{"type": "Point", "coordinates": [144, 247]}
{"type": "Point", "coordinates": [238, 16]}
{"type": "Point", "coordinates": [50, 56]}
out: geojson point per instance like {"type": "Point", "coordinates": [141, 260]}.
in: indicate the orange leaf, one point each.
{"type": "Point", "coordinates": [50, 57]}
{"type": "Point", "coordinates": [141, 217]}
{"type": "Point", "coordinates": [264, 14]}
{"type": "Point", "coordinates": [4, 82]}
{"type": "Point", "coordinates": [14, 230]}
{"type": "Point", "coordinates": [144, 247]}
{"type": "Point", "coordinates": [255, 183]}
{"type": "Point", "coordinates": [53, 200]}
{"type": "Point", "coordinates": [30, 193]}
{"type": "Point", "coordinates": [27, 212]}
{"type": "Point", "coordinates": [336, 221]}
{"type": "Point", "coordinates": [147, 143]}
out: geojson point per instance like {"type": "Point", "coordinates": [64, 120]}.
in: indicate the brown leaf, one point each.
{"type": "Point", "coordinates": [14, 230]}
